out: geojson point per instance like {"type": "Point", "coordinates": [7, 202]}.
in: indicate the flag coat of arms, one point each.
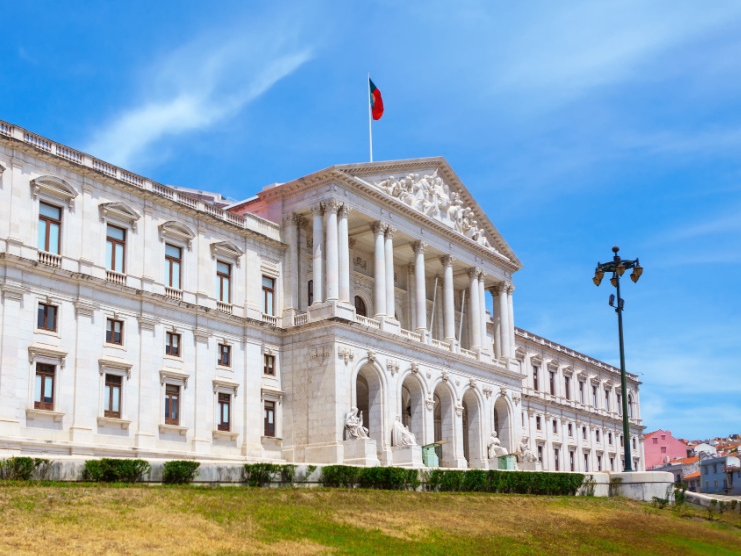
{"type": "Point", "coordinates": [376, 101]}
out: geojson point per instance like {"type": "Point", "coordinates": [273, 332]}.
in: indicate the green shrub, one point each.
{"type": "Point", "coordinates": [288, 474]}
{"type": "Point", "coordinates": [23, 468]}
{"type": "Point", "coordinates": [515, 482]}
{"type": "Point", "coordinates": [109, 470]}
{"type": "Point", "coordinates": [180, 472]}
{"type": "Point", "coordinates": [340, 476]}
{"type": "Point", "coordinates": [260, 474]}
{"type": "Point", "coordinates": [388, 478]}
{"type": "Point", "coordinates": [680, 495]}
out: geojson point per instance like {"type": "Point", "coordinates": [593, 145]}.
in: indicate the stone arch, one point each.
{"type": "Point", "coordinates": [445, 423]}
{"type": "Point", "coordinates": [473, 428]}
{"type": "Point", "coordinates": [412, 398]}
{"type": "Point", "coordinates": [368, 395]}
{"type": "Point", "coordinates": [504, 423]}
{"type": "Point", "coordinates": [365, 301]}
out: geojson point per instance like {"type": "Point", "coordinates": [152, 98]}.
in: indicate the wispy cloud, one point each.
{"type": "Point", "coordinates": [199, 85]}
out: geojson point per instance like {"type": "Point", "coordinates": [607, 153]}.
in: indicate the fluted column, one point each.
{"type": "Point", "coordinates": [294, 245]}
{"type": "Point", "coordinates": [318, 269]}
{"type": "Point", "coordinates": [475, 326]}
{"type": "Point", "coordinates": [420, 292]}
{"type": "Point", "coordinates": [379, 270]}
{"type": "Point", "coordinates": [482, 313]}
{"type": "Point", "coordinates": [390, 297]}
{"type": "Point", "coordinates": [344, 247]}
{"type": "Point", "coordinates": [448, 301]}
{"type": "Point", "coordinates": [511, 314]}
{"type": "Point", "coordinates": [497, 339]}
{"type": "Point", "coordinates": [333, 266]}
{"type": "Point", "coordinates": [504, 321]}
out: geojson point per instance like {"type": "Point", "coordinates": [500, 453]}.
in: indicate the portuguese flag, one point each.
{"type": "Point", "coordinates": [376, 101]}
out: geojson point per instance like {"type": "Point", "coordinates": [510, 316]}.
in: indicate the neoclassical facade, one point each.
{"type": "Point", "coordinates": [142, 320]}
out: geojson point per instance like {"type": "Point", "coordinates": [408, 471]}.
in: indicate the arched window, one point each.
{"type": "Point", "coordinates": [360, 308]}
{"type": "Point", "coordinates": [630, 406]}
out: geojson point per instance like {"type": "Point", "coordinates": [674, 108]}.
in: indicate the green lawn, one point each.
{"type": "Point", "coordinates": [90, 518]}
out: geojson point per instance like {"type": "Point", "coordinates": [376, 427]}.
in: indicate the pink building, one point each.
{"type": "Point", "coordinates": [661, 447]}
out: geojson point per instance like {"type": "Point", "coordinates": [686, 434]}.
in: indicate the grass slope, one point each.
{"type": "Point", "coordinates": [95, 519]}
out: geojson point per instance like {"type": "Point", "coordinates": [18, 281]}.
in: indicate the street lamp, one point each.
{"type": "Point", "coordinates": [618, 267]}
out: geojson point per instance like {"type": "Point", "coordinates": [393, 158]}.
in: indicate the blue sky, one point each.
{"type": "Point", "coordinates": [577, 126]}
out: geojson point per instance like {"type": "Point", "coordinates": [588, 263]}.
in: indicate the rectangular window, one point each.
{"type": "Point", "coordinates": [43, 395]}
{"type": "Point", "coordinates": [555, 458]}
{"type": "Point", "coordinates": [268, 292]}
{"type": "Point", "coordinates": [584, 433]}
{"type": "Point", "coordinates": [571, 431]}
{"type": "Point", "coordinates": [655, 440]}
{"type": "Point", "coordinates": [567, 387]}
{"type": "Point", "coordinates": [47, 317]}
{"type": "Point", "coordinates": [571, 461]}
{"type": "Point", "coordinates": [621, 441]}
{"type": "Point", "coordinates": [115, 249]}
{"type": "Point", "coordinates": [609, 438]}
{"type": "Point", "coordinates": [172, 344]}
{"type": "Point", "coordinates": [114, 332]}
{"type": "Point", "coordinates": [173, 266]}
{"type": "Point", "coordinates": [540, 454]}
{"type": "Point", "coordinates": [619, 403]}
{"type": "Point", "coordinates": [50, 224]}
{"type": "Point", "coordinates": [537, 422]}
{"type": "Point", "coordinates": [552, 379]}
{"type": "Point", "coordinates": [663, 449]}
{"type": "Point", "coordinates": [112, 403]}
{"type": "Point", "coordinates": [612, 465]}
{"type": "Point", "coordinates": [555, 426]}
{"type": "Point", "coordinates": [224, 279]}
{"type": "Point", "coordinates": [607, 399]}
{"type": "Point", "coordinates": [599, 463]}
{"type": "Point", "coordinates": [269, 367]}
{"type": "Point", "coordinates": [581, 391]}
{"type": "Point", "coordinates": [586, 462]}
{"type": "Point", "coordinates": [225, 355]}
{"type": "Point", "coordinates": [535, 377]}
{"type": "Point", "coordinates": [269, 419]}
{"type": "Point", "coordinates": [596, 434]}
{"type": "Point", "coordinates": [594, 396]}
{"type": "Point", "coordinates": [225, 402]}
{"type": "Point", "coordinates": [172, 404]}
{"type": "Point", "coordinates": [634, 443]}
{"type": "Point", "coordinates": [310, 292]}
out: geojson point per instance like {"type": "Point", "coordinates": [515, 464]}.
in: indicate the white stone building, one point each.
{"type": "Point", "coordinates": [141, 320]}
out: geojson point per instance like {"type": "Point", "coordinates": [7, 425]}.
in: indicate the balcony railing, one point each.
{"type": "Point", "coordinates": [227, 308]}
{"type": "Point", "coordinates": [373, 323]}
{"type": "Point", "coordinates": [270, 319]}
{"type": "Point", "coordinates": [172, 293]}
{"type": "Point", "coordinates": [50, 259]}
{"type": "Point", "coordinates": [468, 353]}
{"type": "Point", "coordinates": [299, 320]}
{"type": "Point", "coordinates": [411, 335]}
{"type": "Point", "coordinates": [440, 344]}
{"type": "Point", "coordinates": [115, 277]}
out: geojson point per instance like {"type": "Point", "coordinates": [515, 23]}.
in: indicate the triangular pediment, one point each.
{"type": "Point", "coordinates": [431, 188]}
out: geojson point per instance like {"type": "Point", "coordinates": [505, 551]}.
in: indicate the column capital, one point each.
{"type": "Point", "coordinates": [297, 219]}
{"type": "Point", "coordinates": [482, 274]}
{"type": "Point", "coordinates": [419, 247]}
{"type": "Point", "coordinates": [510, 288]}
{"type": "Point", "coordinates": [447, 260]}
{"type": "Point", "coordinates": [390, 231]}
{"type": "Point", "coordinates": [473, 273]}
{"type": "Point", "coordinates": [345, 209]}
{"type": "Point", "coordinates": [331, 205]}
{"type": "Point", "coordinates": [351, 242]}
{"type": "Point", "coordinates": [318, 208]}
{"type": "Point", "coordinates": [379, 227]}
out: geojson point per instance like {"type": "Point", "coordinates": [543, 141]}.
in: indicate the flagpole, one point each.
{"type": "Point", "coordinates": [370, 119]}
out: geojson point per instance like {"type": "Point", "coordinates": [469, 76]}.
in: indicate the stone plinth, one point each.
{"type": "Point", "coordinates": [331, 309]}
{"type": "Point", "coordinates": [642, 485]}
{"type": "Point", "coordinates": [530, 466]}
{"type": "Point", "coordinates": [407, 456]}
{"type": "Point", "coordinates": [362, 451]}
{"type": "Point", "coordinates": [508, 463]}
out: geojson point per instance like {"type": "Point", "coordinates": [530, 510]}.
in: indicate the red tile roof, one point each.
{"type": "Point", "coordinates": [695, 475]}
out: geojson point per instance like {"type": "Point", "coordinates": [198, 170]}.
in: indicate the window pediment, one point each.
{"type": "Point", "coordinates": [553, 365]}
{"type": "Point", "coordinates": [119, 211]}
{"type": "Point", "coordinates": [54, 187]}
{"type": "Point", "coordinates": [44, 350]}
{"type": "Point", "coordinates": [225, 383]}
{"type": "Point", "coordinates": [114, 364]}
{"type": "Point", "coordinates": [175, 376]}
{"type": "Point", "coordinates": [177, 231]}
{"type": "Point", "coordinates": [536, 360]}
{"type": "Point", "coordinates": [226, 249]}
{"type": "Point", "coordinates": [568, 370]}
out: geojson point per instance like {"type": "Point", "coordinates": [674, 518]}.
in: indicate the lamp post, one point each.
{"type": "Point", "coordinates": [618, 267]}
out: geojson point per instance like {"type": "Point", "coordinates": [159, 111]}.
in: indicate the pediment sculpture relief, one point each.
{"type": "Point", "coordinates": [431, 196]}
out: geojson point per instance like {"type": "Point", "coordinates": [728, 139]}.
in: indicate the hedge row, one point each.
{"type": "Point", "coordinates": [23, 468]}
{"type": "Point", "coordinates": [109, 470]}
{"type": "Point", "coordinates": [387, 478]}
{"type": "Point", "coordinates": [514, 482]}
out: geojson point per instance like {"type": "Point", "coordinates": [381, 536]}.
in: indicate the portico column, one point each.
{"type": "Point", "coordinates": [318, 269]}
{"type": "Point", "coordinates": [379, 270]}
{"type": "Point", "coordinates": [333, 279]}
{"type": "Point", "coordinates": [482, 313]}
{"type": "Point", "coordinates": [475, 321]}
{"type": "Point", "coordinates": [344, 248]}
{"type": "Point", "coordinates": [390, 297]}
{"type": "Point", "coordinates": [504, 321]}
{"type": "Point", "coordinates": [290, 302]}
{"type": "Point", "coordinates": [511, 314]}
{"type": "Point", "coordinates": [497, 339]}
{"type": "Point", "coordinates": [420, 293]}
{"type": "Point", "coordinates": [448, 301]}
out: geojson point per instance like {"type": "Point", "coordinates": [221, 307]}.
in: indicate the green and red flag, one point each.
{"type": "Point", "coordinates": [376, 101]}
